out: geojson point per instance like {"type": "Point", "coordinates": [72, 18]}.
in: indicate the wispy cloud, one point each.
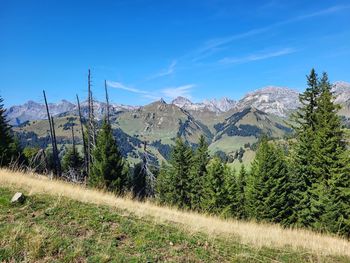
{"type": "Point", "coordinates": [118, 85]}
{"type": "Point", "coordinates": [166, 93]}
{"type": "Point", "coordinates": [165, 72]}
{"type": "Point", "coordinates": [255, 57]}
{"type": "Point", "coordinates": [214, 45]}
{"type": "Point", "coordinates": [173, 92]}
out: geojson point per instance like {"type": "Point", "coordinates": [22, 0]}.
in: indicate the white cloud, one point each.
{"type": "Point", "coordinates": [119, 85]}
{"type": "Point", "coordinates": [214, 45]}
{"type": "Point", "coordinates": [255, 57]}
{"type": "Point", "coordinates": [165, 72]}
{"type": "Point", "coordinates": [166, 93]}
{"type": "Point", "coordinates": [173, 92]}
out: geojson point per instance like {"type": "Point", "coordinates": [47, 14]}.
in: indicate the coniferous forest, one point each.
{"type": "Point", "coordinates": [303, 181]}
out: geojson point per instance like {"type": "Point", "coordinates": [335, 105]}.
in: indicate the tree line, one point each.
{"type": "Point", "coordinates": [304, 182]}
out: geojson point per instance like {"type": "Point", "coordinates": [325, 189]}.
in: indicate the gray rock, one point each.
{"type": "Point", "coordinates": [18, 198]}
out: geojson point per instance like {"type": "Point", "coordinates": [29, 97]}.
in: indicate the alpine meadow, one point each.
{"type": "Point", "coordinates": [138, 160]}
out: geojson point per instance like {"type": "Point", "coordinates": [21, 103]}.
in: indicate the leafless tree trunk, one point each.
{"type": "Point", "coordinates": [86, 163]}
{"type": "Point", "coordinates": [53, 138]}
{"type": "Point", "coordinates": [58, 163]}
{"type": "Point", "coordinates": [107, 101]}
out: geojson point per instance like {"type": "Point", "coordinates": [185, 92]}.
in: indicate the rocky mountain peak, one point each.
{"type": "Point", "coordinates": [271, 99]}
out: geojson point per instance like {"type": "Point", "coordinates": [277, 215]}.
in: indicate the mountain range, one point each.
{"type": "Point", "coordinates": [230, 127]}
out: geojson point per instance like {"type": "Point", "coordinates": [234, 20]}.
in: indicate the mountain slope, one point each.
{"type": "Point", "coordinates": [160, 120]}
{"type": "Point", "coordinates": [65, 222]}
{"type": "Point", "coordinates": [244, 128]}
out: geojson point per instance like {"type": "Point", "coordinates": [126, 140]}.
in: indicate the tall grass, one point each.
{"type": "Point", "coordinates": [255, 234]}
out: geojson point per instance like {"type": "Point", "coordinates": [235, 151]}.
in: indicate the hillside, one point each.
{"type": "Point", "coordinates": [230, 127]}
{"type": "Point", "coordinates": [64, 222]}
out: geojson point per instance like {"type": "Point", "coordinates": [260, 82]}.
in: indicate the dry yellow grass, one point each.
{"type": "Point", "coordinates": [251, 233]}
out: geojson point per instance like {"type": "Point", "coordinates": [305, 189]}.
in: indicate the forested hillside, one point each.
{"type": "Point", "coordinates": [299, 180]}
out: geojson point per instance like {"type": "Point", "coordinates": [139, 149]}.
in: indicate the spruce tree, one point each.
{"type": "Point", "coordinates": [231, 192]}
{"type": "Point", "coordinates": [164, 187]}
{"type": "Point", "coordinates": [270, 185]}
{"type": "Point", "coordinates": [241, 193]}
{"type": "Point", "coordinates": [6, 139]}
{"type": "Point", "coordinates": [174, 182]}
{"type": "Point", "coordinates": [257, 190]}
{"type": "Point", "coordinates": [108, 166]}
{"type": "Point", "coordinates": [198, 172]}
{"type": "Point", "coordinates": [181, 161]}
{"type": "Point", "coordinates": [331, 163]}
{"type": "Point", "coordinates": [337, 206]}
{"type": "Point", "coordinates": [305, 170]}
{"type": "Point", "coordinates": [215, 195]}
{"type": "Point", "coordinates": [279, 201]}
{"type": "Point", "coordinates": [72, 161]}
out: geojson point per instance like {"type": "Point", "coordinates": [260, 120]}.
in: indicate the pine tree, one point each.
{"type": "Point", "coordinates": [179, 174]}
{"type": "Point", "coordinates": [305, 151]}
{"type": "Point", "coordinates": [257, 190]}
{"type": "Point", "coordinates": [331, 163]}
{"type": "Point", "coordinates": [72, 161]}
{"type": "Point", "coordinates": [173, 182]}
{"type": "Point", "coordinates": [164, 189]}
{"type": "Point", "coordinates": [108, 166]}
{"type": "Point", "coordinates": [215, 195]}
{"type": "Point", "coordinates": [9, 148]}
{"type": "Point", "coordinates": [241, 193]}
{"type": "Point", "coordinates": [279, 201]}
{"type": "Point", "coordinates": [198, 172]}
{"type": "Point", "coordinates": [337, 205]}
{"type": "Point", "coordinates": [231, 192]}
{"type": "Point", "coordinates": [270, 186]}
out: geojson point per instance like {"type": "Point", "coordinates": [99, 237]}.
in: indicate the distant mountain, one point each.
{"type": "Point", "coordinates": [274, 100]}
{"type": "Point", "coordinates": [37, 111]}
{"type": "Point", "coordinates": [215, 105]}
{"type": "Point", "coordinates": [160, 120]}
{"type": "Point", "coordinates": [278, 101]}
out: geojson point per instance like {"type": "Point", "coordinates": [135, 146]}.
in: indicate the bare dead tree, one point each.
{"type": "Point", "coordinates": [51, 134]}
{"type": "Point", "coordinates": [86, 163]}
{"type": "Point", "coordinates": [58, 163]}
{"type": "Point", "coordinates": [107, 102]}
{"type": "Point", "coordinates": [91, 125]}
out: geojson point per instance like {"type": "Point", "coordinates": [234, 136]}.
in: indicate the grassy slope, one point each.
{"type": "Point", "coordinates": [51, 227]}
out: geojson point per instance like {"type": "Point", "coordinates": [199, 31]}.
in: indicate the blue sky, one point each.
{"type": "Point", "coordinates": [151, 49]}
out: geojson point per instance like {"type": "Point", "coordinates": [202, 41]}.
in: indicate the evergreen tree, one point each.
{"type": "Point", "coordinates": [180, 174]}
{"type": "Point", "coordinates": [215, 195]}
{"type": "Point", "coordinates": [257, 190]}
{"type": "Point", "coordinates": [305, 151]}
{"type": "Point", "coordinates": [173, 186]}
{"type": "Point", "coordinates": [6, 139]}
{"type": "Point", "coordinates": [72, 161]}
{"type": "Point", "coordinates": [279, 201]}
{"type": "Point", "coordinates": [337, 205]}
{"type": "Point", "coordinates": [241, 193]}
{"type": "Point", "coordinates": [270, 185]}
{"type": "Point", "coordinates": [198, 172]}
{"type": "Point", "coordinates": [231, 192]}
{"type": "Point", "coordinates": [108, 167]}
{"type": "Point", "coordinates": [331, 163]}
{"type": "Point", "coordinates": [164, 188]}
